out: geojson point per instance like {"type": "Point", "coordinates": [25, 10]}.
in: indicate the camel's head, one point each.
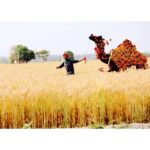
{"type": "Point", "coordinates": [100, 44]}
{"type": "Point", "coordinates": [96, 39]}
{"type": "Point", "coordinates": [99, 41]}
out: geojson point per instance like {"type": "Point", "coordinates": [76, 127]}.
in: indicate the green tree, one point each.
{"type": "Point", "coordinates": [21, 54]}
{"type": "Point", "coordinates": [43, 54]}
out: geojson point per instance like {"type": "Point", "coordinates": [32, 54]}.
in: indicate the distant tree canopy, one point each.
{"type": "Point", "coordinates": [21, 54]}
{"type": "Point", "coordinates": [43, 54]}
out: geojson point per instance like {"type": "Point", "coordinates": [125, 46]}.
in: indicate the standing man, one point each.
{"type": "Point", "coordinates": [68, 63]}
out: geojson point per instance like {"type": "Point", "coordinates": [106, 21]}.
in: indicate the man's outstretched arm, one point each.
{"type": "Point", "coordinates": [83, 59]}
{"type": "Point", "coordinates": [60, 66]}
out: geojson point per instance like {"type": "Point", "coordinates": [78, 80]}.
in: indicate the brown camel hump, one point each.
{"type": "Point", "coordinates": [126, 55]}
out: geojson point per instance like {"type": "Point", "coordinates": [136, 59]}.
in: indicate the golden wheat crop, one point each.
{"type": "Point", "coordinates": [37, 95]}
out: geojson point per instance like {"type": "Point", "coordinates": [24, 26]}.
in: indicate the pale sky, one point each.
{"type": "Point", "coordinates": [57, 37]}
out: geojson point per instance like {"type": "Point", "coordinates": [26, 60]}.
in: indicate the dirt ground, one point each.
{"type": "Point", "coordinates": [129, 126]}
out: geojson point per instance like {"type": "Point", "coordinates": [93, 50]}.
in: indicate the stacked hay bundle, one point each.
{"type": "Point", "coordinates": [126, 55]}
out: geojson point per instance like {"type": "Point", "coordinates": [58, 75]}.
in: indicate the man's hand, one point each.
{"type": "Point", "coordinates": [83, 59]}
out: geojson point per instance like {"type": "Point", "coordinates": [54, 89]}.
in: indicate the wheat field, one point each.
{"type": "Point", "coordinates": [36, 95]}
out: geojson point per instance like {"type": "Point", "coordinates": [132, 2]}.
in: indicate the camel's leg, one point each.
{"type": "Point", "coordinates": [138, 66]}
{"type": "Point", "coordinates": [112, 66]}
{"type": "Point", "coordinates": [141, 66]}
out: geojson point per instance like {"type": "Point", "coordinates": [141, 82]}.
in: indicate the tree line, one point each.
{"type": "Point", "coordinates": [22, 54]}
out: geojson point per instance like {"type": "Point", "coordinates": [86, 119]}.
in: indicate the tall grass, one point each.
{"type": "Point", "coordinates": [39, 96]}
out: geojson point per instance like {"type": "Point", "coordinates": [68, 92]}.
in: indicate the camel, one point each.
{"type": "Point", "coordinates": [120, 58]}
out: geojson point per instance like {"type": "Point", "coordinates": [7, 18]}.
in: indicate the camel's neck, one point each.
{"type": "Point", "coordinates": [102, 55]}
{"type": "Point", "coordinates": [104, 58]}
